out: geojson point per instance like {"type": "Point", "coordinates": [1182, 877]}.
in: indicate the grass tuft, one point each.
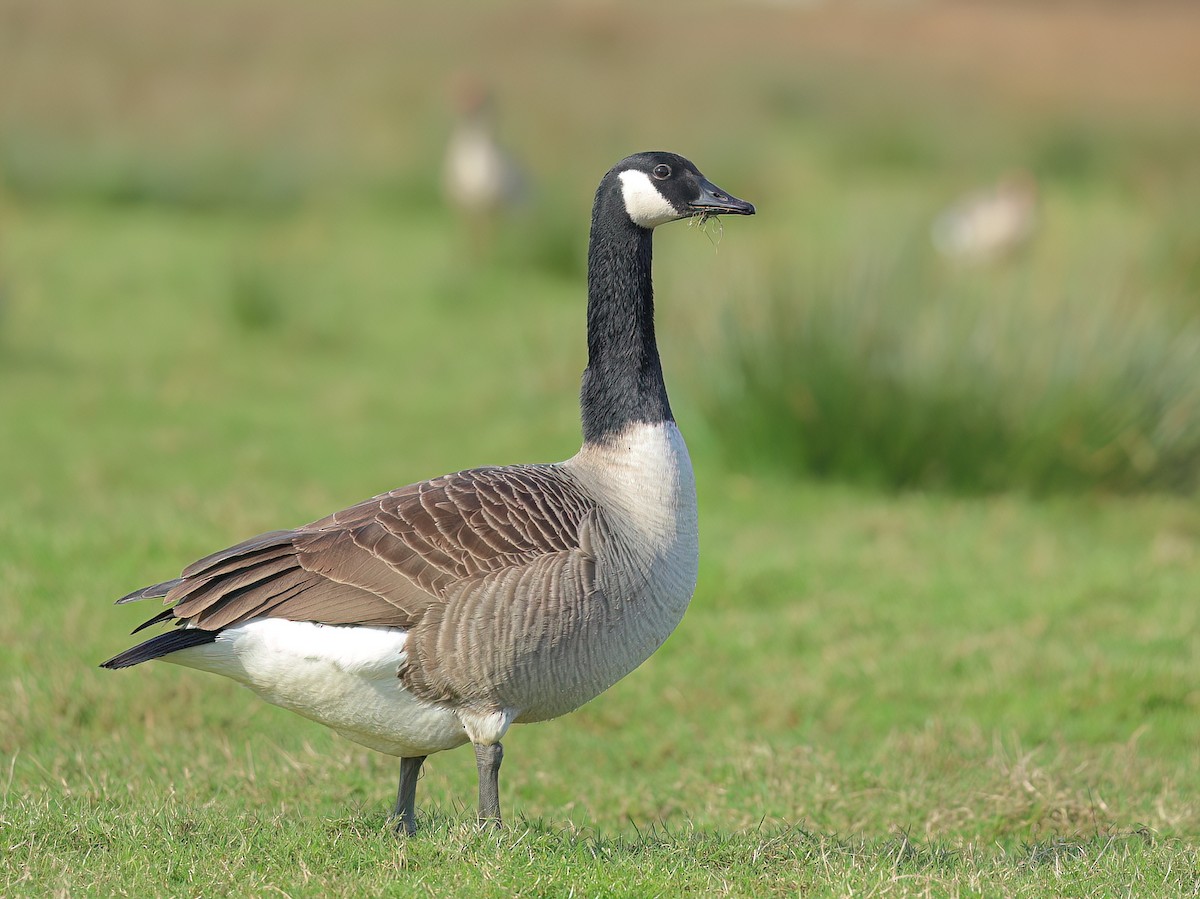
{"type": "Point", "coordinates": [904, 374]}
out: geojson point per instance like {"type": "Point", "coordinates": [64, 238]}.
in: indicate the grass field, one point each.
{"type": "Point", "coordinates": [875, 692]}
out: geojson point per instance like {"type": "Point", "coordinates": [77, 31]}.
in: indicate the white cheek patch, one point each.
{"type": "Point", "coordinates": [645, 205]}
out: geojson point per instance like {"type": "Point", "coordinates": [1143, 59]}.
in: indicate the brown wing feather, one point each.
{"type": "Point", "coordinates": [386, 561]}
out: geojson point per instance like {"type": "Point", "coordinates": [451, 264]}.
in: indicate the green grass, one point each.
{"type": "Point", "coordinates": [901, 695]}
{"type": "Point", "coordinates": [230, 301]}
{"type": "Point", "coordinates": [906, 373]}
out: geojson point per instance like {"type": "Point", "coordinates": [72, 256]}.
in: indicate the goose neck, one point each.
{"type": "Point", "coordinates": [623, 383]}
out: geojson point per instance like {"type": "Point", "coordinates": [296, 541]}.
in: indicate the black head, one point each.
{"type": "Point", "coordinates": [664, 187]}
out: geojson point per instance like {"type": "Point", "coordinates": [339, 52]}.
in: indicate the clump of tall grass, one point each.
{"type": "Point", "coordinates": [907, 374]}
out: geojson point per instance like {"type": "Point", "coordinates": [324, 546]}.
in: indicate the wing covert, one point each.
{"type": "Point", "coordinates": [386, 561]}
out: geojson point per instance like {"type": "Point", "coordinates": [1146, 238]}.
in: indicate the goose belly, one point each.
{"type": "Point", "coordinates": [630, 625]}
{"type": "Point", "coordinates": [342, 676]}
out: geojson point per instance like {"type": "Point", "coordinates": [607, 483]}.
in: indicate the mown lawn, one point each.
{"type": "Point", "coordinates": [872, 694]}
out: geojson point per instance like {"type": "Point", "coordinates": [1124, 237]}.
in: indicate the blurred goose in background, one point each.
{"type": "Point", "coordinates": [989, 223]}
{"type": "Point", "coordinates": [446, 611]}
{"type": "Point", "coordinates": [481, 180]}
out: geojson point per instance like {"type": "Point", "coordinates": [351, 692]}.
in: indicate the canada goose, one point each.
{"type": "Point", "coordinates": [446, 611]}
{"type": "Point", "coordinates": [989, 223]}
{"type": "Point", "coordinates": [481, 180]}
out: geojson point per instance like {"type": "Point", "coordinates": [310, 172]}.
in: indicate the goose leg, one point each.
{"type": "Point", "coordinates": [487, 759]}
{"type": "Point", "coordinates": [405, 812]}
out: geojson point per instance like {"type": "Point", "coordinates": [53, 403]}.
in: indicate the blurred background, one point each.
{"type": "Point", "coordinates": [976, 265]}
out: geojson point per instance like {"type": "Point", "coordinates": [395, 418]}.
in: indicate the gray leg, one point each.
{"type": "Point", "coordinates": [488, 759]}
{"type": "Point", "coordinates": [405, 812]}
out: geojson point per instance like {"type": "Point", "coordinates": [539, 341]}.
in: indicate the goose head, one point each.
{"type": "Point", "coordinates": [658, 187]}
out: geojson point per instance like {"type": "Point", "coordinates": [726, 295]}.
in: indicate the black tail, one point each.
{"type": "Point", "coordinates": [157, 647]}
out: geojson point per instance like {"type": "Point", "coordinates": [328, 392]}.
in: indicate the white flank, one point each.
{"type": "Point", "coordinates": [343, 676]}
{"type": "Point", "coordinates": [645, 205]}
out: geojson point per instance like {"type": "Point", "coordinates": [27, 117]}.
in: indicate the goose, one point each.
{"type": "Point", "coordinates": [988, 223]}
{"type": "Point", "coordinates": [480, 179]}
{"type": "Point", "coordinates": [446, 611]}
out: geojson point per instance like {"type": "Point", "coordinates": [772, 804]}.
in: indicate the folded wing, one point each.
{"type": "Point", "coordinates": [388, 560]}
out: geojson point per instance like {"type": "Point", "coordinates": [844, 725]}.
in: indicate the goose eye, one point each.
{"type": "Point", "coordinates": [662, 171]}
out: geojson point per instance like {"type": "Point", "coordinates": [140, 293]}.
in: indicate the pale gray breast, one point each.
{"type": "Point", "coordinates": [645, 543]}
{"type": "Point", "coordinates": [643, 482]}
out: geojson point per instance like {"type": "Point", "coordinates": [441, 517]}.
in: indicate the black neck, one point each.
{"type": "Point", "coordinates": [623, 382]}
